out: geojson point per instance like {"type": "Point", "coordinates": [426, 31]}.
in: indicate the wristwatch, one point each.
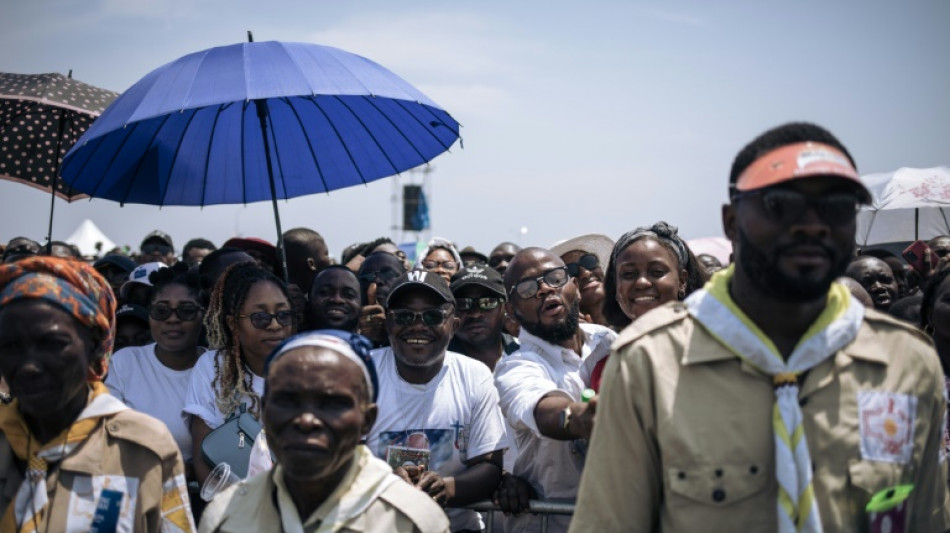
{"type": "Point", "coordinates": [566, 417]}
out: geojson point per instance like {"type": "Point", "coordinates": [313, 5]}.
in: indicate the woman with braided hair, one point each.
{"type": "Point", "coordinates": [249, 315]}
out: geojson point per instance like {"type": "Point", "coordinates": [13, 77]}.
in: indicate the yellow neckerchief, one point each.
{"type": "Point", "coordinates": [834, 328]}
{"type": "Point", "coordinates": [39, 455]}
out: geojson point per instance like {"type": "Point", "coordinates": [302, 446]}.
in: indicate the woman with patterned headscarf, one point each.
{"type": "Point", "coordinates": [70, 453]}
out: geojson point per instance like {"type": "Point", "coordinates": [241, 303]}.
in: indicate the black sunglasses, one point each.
{"type": "Point", "coordinates": [429, 317]}
{"type": "Point", "coordinates": [469, 304]}
{"type": "Point", "coordinates": [588, 261]}
{"type": "Point", "coordinates": [786, 206]}
{"type": "Point", "coordinates": [381, 276]}
{"type": "Point", "coordinates": [261, 320]}
{"type": "Point", "coordinates": [160, 248]}
{"type": "Point", "coordinates": [184, 312]}
{"type": "Point", "coordinates": [529, 287]}
{"type": "Point", "coordinates": [448, 265]}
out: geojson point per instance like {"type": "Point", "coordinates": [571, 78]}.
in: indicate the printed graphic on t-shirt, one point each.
{"type": "Point", "coordinates": [887, 426]}
{"type": "Point", "coordinates": [430, 448]}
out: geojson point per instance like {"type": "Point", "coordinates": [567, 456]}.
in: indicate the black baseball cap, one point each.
{"type": "Point", "coordinates": [132, 311]}
{"type": "Point", "coordinates": [430, 281]}
{"type": "Point", "coordinates": [481, 275]}
{"type": "Point", "coordinates": [126, 264]}
{"type": "Point", "coordinates": [159, 235]}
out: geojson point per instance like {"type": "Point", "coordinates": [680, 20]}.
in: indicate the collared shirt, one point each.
{"type": "Point", "coordinates": [370, 498]}
{"type": "Point", "coordinates": [684, 440]}
{"type": "Point", "coordinates": [551, 466]}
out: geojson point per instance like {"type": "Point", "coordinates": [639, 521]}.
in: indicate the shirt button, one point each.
{"type": "Point", "coordinates": [753, 469]}
{"type": "Point", "coordinates": [114, 426]}
{"type": "Point", "coordinates": [681, 475]}
{"type": "Point", "coordinates": [718, 472]}
{"type": "Point", "coordinates": [718, 495]}
{"type": "Point", "coordinates": [803, 402]}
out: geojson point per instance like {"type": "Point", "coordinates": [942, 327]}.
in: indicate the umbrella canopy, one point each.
{"type": "Point", "coordinates": [41, 117]}
{"type": "Point", "coordinates": [907, 204]}
{"type": "Point", "coordinates": [192, 133]}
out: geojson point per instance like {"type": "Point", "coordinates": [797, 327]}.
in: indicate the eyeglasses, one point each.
{"type": "Point", "coordinates": [261, 320]}
{"type": "Point", "coordinates": [786, 206]}
{"type": "Point", "coordinates": [430, 317]}
{"type": "Point", "coordinates": [448, 265]}
{"type": "Point", "coordinates": [184, 312]}
{"type": "Point", "coordinates": [469, 304]}
{"type": "Point", "coordinates": [496, 260]}
{"type": "Point", "coordinates": [381, 276]}
{"type": "Point", "coordinates": [529, 287]}
{"type": "Point", "coordinates": [588, 261]}
{"type": "Point", "coordinates": [153, 248]}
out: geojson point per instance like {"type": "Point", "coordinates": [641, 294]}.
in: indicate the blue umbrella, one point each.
{"type": "Point", "coordinates": [256, 121]}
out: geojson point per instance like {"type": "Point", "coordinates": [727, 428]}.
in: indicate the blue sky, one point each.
{"type": "Point", "coordinates": [577, 117]}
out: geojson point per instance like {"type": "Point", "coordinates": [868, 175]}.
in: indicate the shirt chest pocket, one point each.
{"type": "Point", "coordinates": [716, 485]}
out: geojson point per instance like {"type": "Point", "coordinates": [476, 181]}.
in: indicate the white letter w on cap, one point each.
{"type": "Point", "coordinates": [417, 275]}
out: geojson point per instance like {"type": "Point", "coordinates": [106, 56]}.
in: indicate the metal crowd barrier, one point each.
{"type": "Point", "coordinates": [540, 507]}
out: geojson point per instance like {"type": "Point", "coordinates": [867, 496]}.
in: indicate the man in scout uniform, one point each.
{"type": "Point", "coordinates": [771, 400]}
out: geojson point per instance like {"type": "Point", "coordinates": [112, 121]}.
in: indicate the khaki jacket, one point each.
{"type": "Point", "coordinates": [128, 451]}
{"type": "Point", "coordinates": [683, 439]}
{"type": "Point", "coordinates": [255, 505]}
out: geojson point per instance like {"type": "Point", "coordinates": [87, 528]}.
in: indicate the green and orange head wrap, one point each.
{"type": "Point", "coordinates": [70, 284]}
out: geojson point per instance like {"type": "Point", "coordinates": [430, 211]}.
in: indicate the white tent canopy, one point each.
{"type": "Point", "coordinates": [87, 235]}
{"type": "Point", "coordinates": [907, 204]}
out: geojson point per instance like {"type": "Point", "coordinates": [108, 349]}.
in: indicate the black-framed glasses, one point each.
{"type": "Point", "coordinates": [429, 317]}
{"type": "Point", "coordinates": [588, 261]}
{"type": "Point", "coordinates": [160, 248]}
{"type": "Point", "coordinates": [465, 305]}
{"type": "Point", "coordinates": [529, 287]}
{"type": "Point", "coordinates": [448, 265]}
{"type": "Point", "coordinates": [184, 312]}
{"type": "Point", "coordinates": [261, 319]}
{"type": "Point", "coordinates": [786, 206]}
{"type": "Point", "coordinates": [380, 276]}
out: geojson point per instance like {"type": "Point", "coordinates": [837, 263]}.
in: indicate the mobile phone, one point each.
{"type": "Point", "coordinates": [915, 253]}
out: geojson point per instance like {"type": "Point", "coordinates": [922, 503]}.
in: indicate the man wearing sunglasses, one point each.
{"type": "Point", "coordinates": [540, 385]}
{"type": "Point", "coordinates": [439, 425]}
{"type": "Point", "coordinates": [772, 400]}
{"type": "Point", "coordinates": [157, 247]}
{"type": "Point", "coordinates": [480, 305]}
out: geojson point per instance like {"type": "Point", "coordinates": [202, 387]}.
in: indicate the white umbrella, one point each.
{"type": "Point", "coordinates": [907, 204]}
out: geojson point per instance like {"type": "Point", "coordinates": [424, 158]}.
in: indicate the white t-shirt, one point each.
{"type": "Point", "coordinates": [442, 423]}
{"type": "Point", "coordinates": [553, 467]}
{"type": "Point", "coordinates": [139, 379]}
{"type": "Point", "coordinates": [200, 400]}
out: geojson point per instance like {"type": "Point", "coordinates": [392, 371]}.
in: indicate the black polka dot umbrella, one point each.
{"type": "Point", "coordinates": [41, 117]}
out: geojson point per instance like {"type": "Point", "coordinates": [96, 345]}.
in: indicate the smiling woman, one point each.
{"type": "Point", "coordinates": [64, 429]}
{"type": "Point", "coordinates": [249, 315]}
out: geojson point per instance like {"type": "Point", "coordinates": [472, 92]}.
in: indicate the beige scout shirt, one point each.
{"type": "Point", "coordinates": [128, 451]}
{"type": "Point", "coordinates": [683, 438]}
{"type": "Point", "coordinates": [369, 498]}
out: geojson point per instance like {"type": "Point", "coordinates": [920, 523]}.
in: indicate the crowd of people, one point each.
{"type": "Point", "coordinates": [800, 386]}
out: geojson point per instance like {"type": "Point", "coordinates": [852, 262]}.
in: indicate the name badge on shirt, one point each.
{"type": "Point", "coordinates": [886, 421]}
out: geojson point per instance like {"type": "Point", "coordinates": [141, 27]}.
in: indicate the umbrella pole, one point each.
{"type": "Point", "coordinates": [262, 115]}
{"type": "Point", "coordinates": [916, 222]}
{"type": "Point", "coordinates": [52, 195]}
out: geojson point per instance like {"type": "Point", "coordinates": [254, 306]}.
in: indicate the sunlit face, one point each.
{"type": "Point", "coordinates": [335, 300]}
{"type": "Point", "coordinates": [589, 282]}
{"type": "Point", "coordinates": [175, 334]}
{"type": "Point", "coordinates": [417, 344]}
{"type": "Point", "coordinates": [315, 411]}
{"type": "Point", "coordinates": [552, 314]}
{"type": "Point", "coordinates": [876, 278]}
{"type": "Point", "coordinates": [257, 344]}
{"type": "Point", "coordinates": [648, 275]}
{"type": "Point", "coordinates": [45, 355]}
{"type": "Point", "coordinates": [442, 262]}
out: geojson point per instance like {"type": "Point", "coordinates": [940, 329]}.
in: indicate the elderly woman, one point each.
{"type": "Point", "coordinates": [70, 453]}
{"type": "Point", "coordinates": [318, 402]}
